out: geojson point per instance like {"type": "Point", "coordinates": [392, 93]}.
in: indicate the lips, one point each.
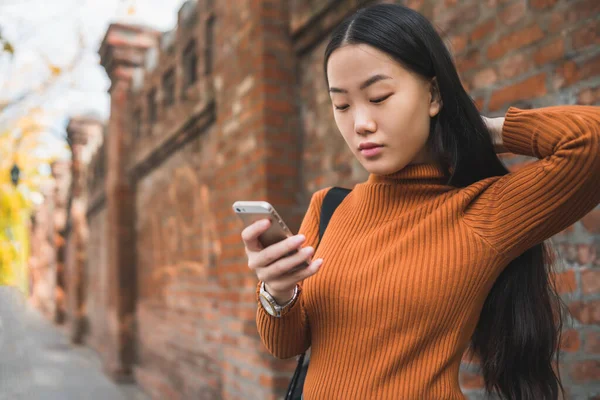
{"type": "Point", "coordinates": [368, 145]}
{"type": "Point", "coordinates": [370, 150]}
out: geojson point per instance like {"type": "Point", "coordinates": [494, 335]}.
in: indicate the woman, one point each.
{"type": "Point", "coordinates": [441, 247]}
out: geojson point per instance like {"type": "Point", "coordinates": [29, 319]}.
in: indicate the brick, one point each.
{"type": "Point", "coordinates": [468, 61]}
{"type": "Point", "coordinates": [586, 312]}
{"type": "Point", "coordinates": [272, 381]}
{"type": "Point", "coordinates": [515, 40]}
{"type": "Point", "coordinates": [458, 43]}
{"type": "Point", "coordinates": [445, 18]}
{"type": "Point", "coordinates": [589, 96]}
{"type": "Point", "coordinates": [513, 13]}
{"type": "Point", "coordinates": [541, 4]}
{"type": "Point", "coordinates": [591, 222]}
{"type": "Point", "coordinates": [466, 85]}
{"type": "Point", "coordinates": [484, 78]}
{"type": "Point", "coordinates": [469, 380]}
{"type": "Point", "coordinates": [556, 22]}
{"type": "Point", "coordinates": [529, 88]}
{"type": "Point", "coordinates": [587, 35]}
{"type": "Point", "coordinates": [552, 51]}
{"type": "Point", "coordinates": [570, 341]}
{"type": "Point", "coordinates": [482, 30]}
{"type": "Point", "coordinates": [562, 20]}
{"type": "Point", "coordinates": [495, 3]}
{"type": "Point", "coordinates": [479, 103]}
{"type": "Point", "coordinates": [587, 371]}
{"type": "Point", "coordinates": [415, 4]}
{"type": "Point", "coordinates": [582, 10]}
{"type": "Point", "coordinates": [566, 74]}
{"type": "Point", "coordinates": [566, 282]}
{"type": "Point", "coordinates": [590, 281]}
{"type": "Point", "coordinates": [568, 251]}
{"type": "Point", "coordinates": [570, 72]}
{"type": "Point", "coordinates": [586, 254]}
{"type": "Point", "coordinates": [592, 342]}
{"type": "Point", "coordinates": [515, 65]}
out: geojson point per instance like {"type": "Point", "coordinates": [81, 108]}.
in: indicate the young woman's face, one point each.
{"type": "Point", "coordinates": [376, 100]}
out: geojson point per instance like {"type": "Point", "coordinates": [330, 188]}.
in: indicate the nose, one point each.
{"type": "Point", "coordinates": [364, 123]}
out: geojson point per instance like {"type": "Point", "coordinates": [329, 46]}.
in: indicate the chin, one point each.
{"type": "Point", "coordinates": [382, 168]}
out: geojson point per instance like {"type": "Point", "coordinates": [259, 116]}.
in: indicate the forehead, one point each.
{"type": "Point", "coordinates": [354, 63]}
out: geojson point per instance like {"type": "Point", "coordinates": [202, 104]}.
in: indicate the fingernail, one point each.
{"type": "Point", "coordinates": [307, 250]}
{"type": "Point", "coordinates": [300, 238]}
{"type": "Point", "coordinates": [318, 262]}
{"type": "Point", "coordinates": [264, 222]}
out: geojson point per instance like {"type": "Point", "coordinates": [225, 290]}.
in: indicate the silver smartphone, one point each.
{"type": "Point", "coordinates": [252, 211]}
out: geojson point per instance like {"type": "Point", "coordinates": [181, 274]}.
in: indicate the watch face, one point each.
{"type": "Point", "coordinates": [267, 306]}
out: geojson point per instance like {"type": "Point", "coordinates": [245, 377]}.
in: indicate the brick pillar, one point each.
{"type": "Point", "coordinates": [45, 293]}
{"type": "Point", "coordinates": [122, 52]}
{"type": "Point", "coordinates": [258, 159]}
{"type": "Point", "coordinates": [80, 131]}
{"type": "Point", "coordinates": [61, 171]}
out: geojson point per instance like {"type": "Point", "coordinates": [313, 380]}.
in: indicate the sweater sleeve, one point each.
{"type": "Point", "coordinates": [289, 335]}
{"type": "Point", "coordinates": [526, 207]}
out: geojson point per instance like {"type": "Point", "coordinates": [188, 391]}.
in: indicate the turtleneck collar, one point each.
{"type": "Point", "coordinates": [418, 173]}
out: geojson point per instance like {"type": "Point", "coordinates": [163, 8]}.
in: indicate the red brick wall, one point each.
{"type": "Point", "coordinates": [177, 320]}
{"type": "Point", "coordinates": [96, 266]}
{"type": "Point", "coordinates": [232, 135]}
{"type": "Point", "coordinates": [535, 54]}
{"type": "Point", "coordinates": [84, 135]}
{"type": "Point", "coordinates": [42, 260]}
{"type": "Point", "coordinates": [122, 53]}
{"type": "Point", "coordinates": [256, 120]}
{"type": "Point", "coordinates": [96, 276]}
{"type": "Point", "coordinates": [47, 258]}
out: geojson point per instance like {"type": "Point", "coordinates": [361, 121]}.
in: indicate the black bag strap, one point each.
{"type": "Point", "coordinates": [333, 198]}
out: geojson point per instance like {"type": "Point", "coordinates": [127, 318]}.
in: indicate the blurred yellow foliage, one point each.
{"type": "Point", "coordinates": [8, 48]}
{"type": "Point", "coordinates": [14, 238]}
{"type": "Point", "coordinates": [18, 146]}
{"type": "Point", "coordinates": [54, 70]}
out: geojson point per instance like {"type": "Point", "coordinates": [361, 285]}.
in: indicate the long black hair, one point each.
{"type": "Point", "coordinates": [518, 332]}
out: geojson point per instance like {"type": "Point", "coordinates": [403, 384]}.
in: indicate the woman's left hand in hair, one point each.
{"type": "Point", "coordinates": [495, 125]}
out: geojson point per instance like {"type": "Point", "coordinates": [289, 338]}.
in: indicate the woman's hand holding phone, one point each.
{"type": "Point", "coordinates": [275, 265]}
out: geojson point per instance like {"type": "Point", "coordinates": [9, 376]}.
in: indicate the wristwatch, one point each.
{"type": "Point", "coordinates": [270, 305]}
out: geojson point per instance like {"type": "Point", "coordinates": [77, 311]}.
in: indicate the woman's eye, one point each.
{"type": "Point", "coordinates": [380, 99]}
{"type": "Point", "coordinates": [374, 101]}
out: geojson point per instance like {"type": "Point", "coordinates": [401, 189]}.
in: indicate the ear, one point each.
{"type": "Point", "coordinates": [435, 98]}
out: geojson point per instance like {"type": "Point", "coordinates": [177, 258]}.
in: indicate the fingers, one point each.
{"type": "Point", "coordinates": [285, 265]}
{"type": "Point", "coordinates": [275, 252]}
{"type": "Point", "coordinates": [289, 281]}
{"type": "Point", "coordinates": [251, 233]}
{"type": "Point", "coordinates": [281, 265]}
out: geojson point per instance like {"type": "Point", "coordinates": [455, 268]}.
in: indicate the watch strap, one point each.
{"type": "Point", "coordinates": [278, 310]}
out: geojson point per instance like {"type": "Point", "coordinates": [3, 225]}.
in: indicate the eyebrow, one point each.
{"type": "Point", "coordinates": [364, 85]}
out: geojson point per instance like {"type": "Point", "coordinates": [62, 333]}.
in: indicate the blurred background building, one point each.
{"type": "Point", "coordinates": [134, 246]}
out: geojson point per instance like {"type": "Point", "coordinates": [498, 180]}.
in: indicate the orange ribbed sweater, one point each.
{"type": "Point", "coordinates": [409, 261]}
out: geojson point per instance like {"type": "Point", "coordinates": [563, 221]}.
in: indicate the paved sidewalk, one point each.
{"type": "Point", "coordinates": [37, 362]}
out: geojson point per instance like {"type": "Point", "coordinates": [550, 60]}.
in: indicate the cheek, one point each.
{"type": "Point", "coordinates": [409, 115]}
{"type": "Point", "coordinates": [345, 125]}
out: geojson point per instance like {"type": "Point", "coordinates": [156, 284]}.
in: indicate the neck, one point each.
{"type": "Point", "coordinates": [385, 197]}
{"type": "Point", "coordinates": [412, 173]}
